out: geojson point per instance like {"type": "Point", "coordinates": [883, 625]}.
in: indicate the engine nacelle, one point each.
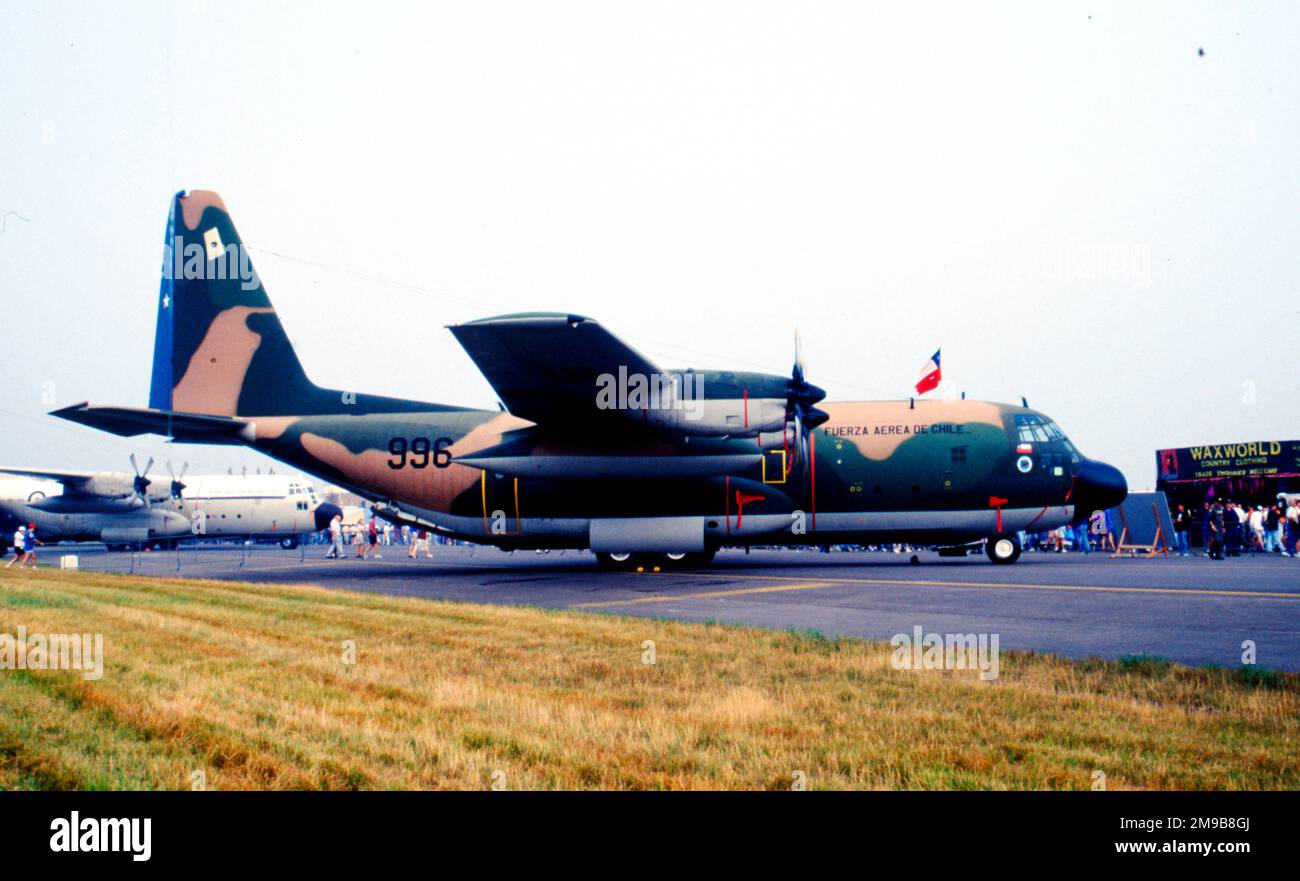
{"type": "Point", "coordinates": [700, 403]}
{"type": "Point", "coordinates": [81, 503]}
{"type": "Point", "coordinates": [103, 493]}
{"type": "Point", "coordinates": [107, 485]}
{"type": "Point", "coordinates": [718, 418]}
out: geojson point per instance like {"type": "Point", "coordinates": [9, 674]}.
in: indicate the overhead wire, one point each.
{"type": "Point", "coordinates": [646, 342]}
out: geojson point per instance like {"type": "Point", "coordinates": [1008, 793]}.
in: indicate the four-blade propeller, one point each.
{"type": "Point", "coordinates": [142, 481]}
{"type": "Point", "coordinates": [177, 485]}
{"type": "Point", "coordinates": [801, 396]}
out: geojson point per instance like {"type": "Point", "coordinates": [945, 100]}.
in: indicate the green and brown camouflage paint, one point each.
{"type": "Point", "coordinates": [221, 350]}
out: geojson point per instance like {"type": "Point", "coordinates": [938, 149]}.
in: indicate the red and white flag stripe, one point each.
{"type": "Point", "coordinates": [930, 376]}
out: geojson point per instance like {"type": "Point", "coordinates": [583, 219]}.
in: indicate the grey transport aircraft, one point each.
{"type": "Point", "coordinates": [124, 509]}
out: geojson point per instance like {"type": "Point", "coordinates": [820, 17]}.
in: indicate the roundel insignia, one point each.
{"type": "Point", "coordinates": [1025, 464]}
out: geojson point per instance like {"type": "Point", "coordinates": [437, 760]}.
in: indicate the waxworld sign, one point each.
{"type": "Point", "coordinates": [1223, 461]}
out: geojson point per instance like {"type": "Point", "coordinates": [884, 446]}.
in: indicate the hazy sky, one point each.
{"type": "Point", "coordinates": [1069, 198]}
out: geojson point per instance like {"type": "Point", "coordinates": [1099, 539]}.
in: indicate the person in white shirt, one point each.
{"type": "Point", "coordinates": [1257, 528]}
{"type": "Point", "coordinates": [336, 539]}
{"type": "Point", "coordinates": [19, 535]}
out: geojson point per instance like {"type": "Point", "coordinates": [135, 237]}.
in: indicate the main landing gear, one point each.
{"type": "Point", "coordinates": [1003, 548]}
{"type": "Point", "coordinates": [630, 562]}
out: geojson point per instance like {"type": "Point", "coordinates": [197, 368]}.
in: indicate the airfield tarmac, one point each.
{"type": "Point", "coordinates": [1194, 611]}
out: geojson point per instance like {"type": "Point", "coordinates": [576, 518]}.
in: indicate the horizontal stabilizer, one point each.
{"type": "Point", "coordinates": [181, 427]}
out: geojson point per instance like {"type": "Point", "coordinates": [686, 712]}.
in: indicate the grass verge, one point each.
{"type": "Point", "coordinates": [249, 684]}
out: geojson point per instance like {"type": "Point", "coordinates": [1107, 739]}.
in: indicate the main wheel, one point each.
{"type": "Point", "coordinates": [1003, 548]}
{"type": "Point", "coordinates": [696, 560]}
{"type": "Point", "coordinates": [626, 561]}
{"type": "Point", "coordinates": [289, 542]}
{"type": "Point", "coordinates": [618, 562]}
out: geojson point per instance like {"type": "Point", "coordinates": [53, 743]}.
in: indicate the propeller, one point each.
{"type": "Point", "coordinates": [801, 396]}
{"type": "Point", "coordinates": [177, 482]}
{"type": "Point", "coordinates": [141, 484]}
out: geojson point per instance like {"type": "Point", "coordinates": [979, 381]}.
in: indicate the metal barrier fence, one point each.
{"type": "Point", "coordinates": [227, 557]}
{"type": "Point", "coordinates": [232, 552]}
{"type": "Point", "coordinates": [95, 557]}
{"type": "Point", "coordinates": [185, 557]}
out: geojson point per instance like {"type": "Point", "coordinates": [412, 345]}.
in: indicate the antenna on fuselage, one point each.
{"type": "Point", "coordinates": [1023, 402]}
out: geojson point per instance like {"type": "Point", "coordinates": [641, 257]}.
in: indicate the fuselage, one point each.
{"type": "Point", "coordinates": [256, 505]}
{"type": "Point", "coordinates": [939, 472]}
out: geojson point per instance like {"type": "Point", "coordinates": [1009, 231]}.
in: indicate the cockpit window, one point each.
{"type": "Point", "coordinates": [1032, 428]}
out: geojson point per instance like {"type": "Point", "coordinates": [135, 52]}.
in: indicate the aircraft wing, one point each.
{"type": "Point", "coordinates": [181, 427]}
{"type": "Point", "coordinates": [70, 479]}
{"type": "Point", "coordinates": [544, 365]}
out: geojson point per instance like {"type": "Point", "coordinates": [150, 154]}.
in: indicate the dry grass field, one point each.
{"type": "Point", "coordinates": [248, 683]}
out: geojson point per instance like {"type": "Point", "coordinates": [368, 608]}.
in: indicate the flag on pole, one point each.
{"type": "Point", "coordinates": [930, 376]}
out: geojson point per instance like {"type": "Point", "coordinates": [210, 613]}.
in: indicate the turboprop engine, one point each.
{"type": "Point", "coordinates": [710, 403]}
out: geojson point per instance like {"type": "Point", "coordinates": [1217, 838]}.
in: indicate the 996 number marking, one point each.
{"type": "Point", "coordinates": [419, 452]}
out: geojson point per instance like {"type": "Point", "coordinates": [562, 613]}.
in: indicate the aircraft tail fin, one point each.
{"type": "Point", "coordinates": [219, 347]}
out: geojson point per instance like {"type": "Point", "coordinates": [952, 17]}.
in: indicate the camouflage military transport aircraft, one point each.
{"type": "Point", "coordinates": [596, 447]}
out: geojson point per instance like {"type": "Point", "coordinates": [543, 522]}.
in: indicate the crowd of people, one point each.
{"type": "Point", "coordinates": [1220, 528]}
{"type": "Point", "coordinates": [368, 536]}
{"type": "Point", "coordinates": [1230, 529]}
{"type": "Point", "coordinates": [1097, 533]}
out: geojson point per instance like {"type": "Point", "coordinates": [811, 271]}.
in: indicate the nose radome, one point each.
{"type": "Point", "coordinates": [325, 513]}
{"type": "Point", "coordinates": [1097, 487]}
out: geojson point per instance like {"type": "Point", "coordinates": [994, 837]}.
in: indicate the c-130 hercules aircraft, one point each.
{"type": "Point", "coordinates": [596, 446]}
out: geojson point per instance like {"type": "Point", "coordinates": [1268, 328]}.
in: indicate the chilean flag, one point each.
{"type": "Point", "coordinates": [929, 377]}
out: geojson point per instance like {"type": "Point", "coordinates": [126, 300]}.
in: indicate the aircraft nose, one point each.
{"type": "Point", "coordinates": [1097, 486]}
{"type": "Point", "coordinates": [325, 512]}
